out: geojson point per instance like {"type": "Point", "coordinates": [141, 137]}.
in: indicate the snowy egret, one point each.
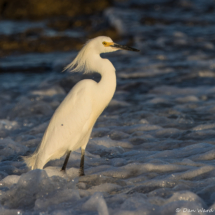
{"type": "Point", "coordinates": [71, 125]}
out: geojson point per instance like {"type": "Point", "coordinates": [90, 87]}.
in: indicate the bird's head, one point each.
{"type": "Point", "coordinates": [105, 44]}
{"type": "Point", "coordinates": [86, 56]}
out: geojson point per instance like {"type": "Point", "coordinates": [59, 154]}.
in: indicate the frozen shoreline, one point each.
{"type": "Point", "coordinates": [153, 148]}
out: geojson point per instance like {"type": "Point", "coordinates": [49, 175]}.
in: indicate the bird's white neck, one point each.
{"type": "Point", "coordinates": [107, 84]}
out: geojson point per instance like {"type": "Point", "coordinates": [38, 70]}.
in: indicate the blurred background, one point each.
{"type": "Point", "coordinates": [51, 25]}
{"type": "Point", "coordinates": [46, 26]}
{"type": "Point", "coordinates": [39, 37]}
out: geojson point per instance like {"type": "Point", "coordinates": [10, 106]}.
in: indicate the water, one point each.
{"type": "Point", "coordinates": [151, 151]}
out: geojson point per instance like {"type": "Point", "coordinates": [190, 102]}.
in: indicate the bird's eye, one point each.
{"type": "Point", "coordinates": [104, 43]}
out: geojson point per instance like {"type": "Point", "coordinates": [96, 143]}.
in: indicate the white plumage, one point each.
{"type": "Point", "coordinates": [72, 122]}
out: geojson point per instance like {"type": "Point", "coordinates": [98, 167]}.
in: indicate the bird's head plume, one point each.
{"type": "Point", "coordinates": [84, 61]}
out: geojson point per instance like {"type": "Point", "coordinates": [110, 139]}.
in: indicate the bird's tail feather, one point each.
{"type": "Point", "coordinates": [30, 160]}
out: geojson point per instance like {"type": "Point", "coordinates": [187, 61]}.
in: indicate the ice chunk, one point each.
{"type": "Point", "coordinates": [54, 199]}
{"type": "Point", "coordinates": [96, 202]}
{"type": "Point", "coordinates": [184, 202]}
{"type": "Point", "coordinates": [10, 180]}
{"type": "Point", "coordinates": [186, 196]}
{"type": "Point", "coordinates": [30, 186]}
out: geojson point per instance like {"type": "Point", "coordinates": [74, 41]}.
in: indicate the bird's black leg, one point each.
{"type": "Point", "coordinates": [66, 161]}
{"type": "Point", "coordinates": [81, 171]}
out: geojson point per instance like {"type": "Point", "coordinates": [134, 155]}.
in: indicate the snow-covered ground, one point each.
{"type": "Point", "coordinates": [151, 152]}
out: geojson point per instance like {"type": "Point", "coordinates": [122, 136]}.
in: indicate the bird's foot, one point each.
{"type": "Point", "coordinates": [81, 173]}
{"type": "Point", "coordinates": [63, 171]}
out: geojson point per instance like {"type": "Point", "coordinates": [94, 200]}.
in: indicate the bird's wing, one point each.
{"type": "Point", "coordinates": [71, 121]}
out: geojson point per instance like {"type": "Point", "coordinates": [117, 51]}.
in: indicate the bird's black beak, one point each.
{"type": "Point", "coordinates": [115, 45]}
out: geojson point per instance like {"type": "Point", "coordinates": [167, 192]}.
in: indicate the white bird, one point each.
{"type": "Point", "coordinates": [71, 125]}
